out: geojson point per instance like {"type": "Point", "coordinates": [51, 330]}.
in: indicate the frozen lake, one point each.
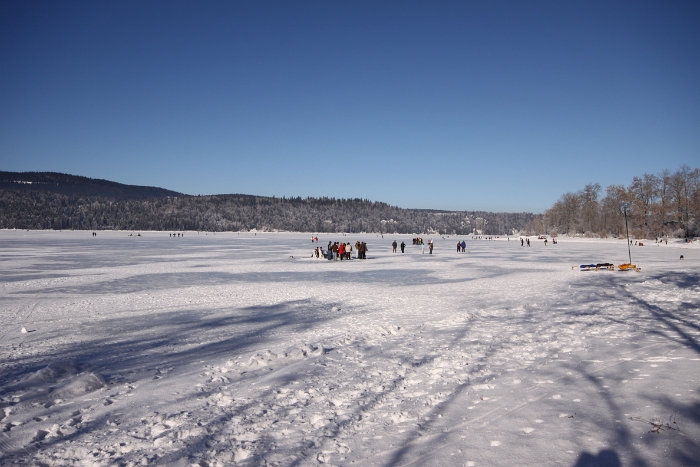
{"type": "Point", "coordinates": [240, 349]}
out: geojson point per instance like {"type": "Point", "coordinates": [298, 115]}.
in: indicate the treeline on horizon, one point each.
{"type": "Point", "coordinates": [37, 209]}
{"type": "Point", "coordinates": [666, 204]}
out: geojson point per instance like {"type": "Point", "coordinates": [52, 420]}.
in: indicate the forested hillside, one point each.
{"type": "Point", "coordinates": [66, 184]}
{"type": "Point", "coordinates": [32, 207]}
{"type": "Point", "coordinates": [664, 204]}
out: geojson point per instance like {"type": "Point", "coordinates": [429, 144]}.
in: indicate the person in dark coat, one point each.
{"type": "Point", "coordinates": [403, 246]}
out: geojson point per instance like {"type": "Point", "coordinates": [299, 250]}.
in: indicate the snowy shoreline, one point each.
{"type": "Point", "coordinates": [227, 348]}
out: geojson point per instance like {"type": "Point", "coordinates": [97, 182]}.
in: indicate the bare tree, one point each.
{"type": "Point", "coordinates": [644, 192]}
{"type": "Point", "coordinates": [655, 204]}
{"type": "Point", "coordinates": [570, 211]}
{"type": "Point", "coordinates": [682, 184]}
{"type": "Point", "coordinates": [616, 198]}
{"type": "Point", "coordinates": [661, 209]}
{"type": "Point", "coordinates": [589, 207]}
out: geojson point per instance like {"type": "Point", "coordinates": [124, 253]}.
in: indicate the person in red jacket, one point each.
{"type": "Point", "coordinates": [341, 251]}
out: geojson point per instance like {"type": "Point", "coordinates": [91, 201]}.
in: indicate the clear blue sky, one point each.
{"type": "Point", "coordinates": [486, 105]}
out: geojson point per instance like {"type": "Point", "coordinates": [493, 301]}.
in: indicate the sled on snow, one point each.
{"type": "Point", "coordinates": [597, 267]}
{"type": "Point", "coordinates": [629, 267]}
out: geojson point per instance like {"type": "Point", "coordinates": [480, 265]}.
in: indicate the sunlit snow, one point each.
{"type": "Point", "coordinates": [240, 349]}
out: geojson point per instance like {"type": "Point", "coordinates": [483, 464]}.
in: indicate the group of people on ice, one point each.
{"type": "Point", "coordinates": [416, 241]}
{"type": "Point", "coordinates": [344, 251]}
{"type": "Point", "coordinates": [341, 251]}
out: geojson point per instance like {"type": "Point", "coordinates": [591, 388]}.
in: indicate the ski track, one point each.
{"type": "Point", "coordinates": [239, 349]}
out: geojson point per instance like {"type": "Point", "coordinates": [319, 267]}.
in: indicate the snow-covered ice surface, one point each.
{"type": "Point", "coordinates": [224, 349]}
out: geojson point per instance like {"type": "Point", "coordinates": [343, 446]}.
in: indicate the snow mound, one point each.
{"type": "Point", "coordinates": [53, 372]}
{"type": "Point", "coordinates": [306, 350]}
{"type": "Point", "coordinates": [267, 357]}
{"type": "Point", "coordinates": [83, 384]}
{"type": "Point", "coordinates": [50, 374]}
{"type": "Point", "coordinates": [262, 358]}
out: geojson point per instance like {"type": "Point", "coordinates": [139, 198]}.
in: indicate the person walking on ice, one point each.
{"type": "Point", "coordinates": [394, 245]}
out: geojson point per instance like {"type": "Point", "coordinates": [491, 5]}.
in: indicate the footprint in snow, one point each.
{"type": "Point", "coordinates": [40, 436]}
{"type": "Point", "coordinates": [495, 443]}
{"type": "Point", "coordinates": [528, 430]}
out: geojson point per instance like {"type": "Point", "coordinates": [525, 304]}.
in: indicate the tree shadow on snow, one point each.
{"type": "Point", "coordinates": [142, 344]}
{"type": "Point", "coordinates": [139, 347]}
{"type": "Point", "coordinates": [168, 281]}
{"type": "Point", "coordinates": [605, 458]}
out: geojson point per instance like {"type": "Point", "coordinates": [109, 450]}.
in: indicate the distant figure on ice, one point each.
{"type": "Point", "coordinates": [545, 242]}
{"type": "Point", "coordinates": [394, 245]}
{"type": "Point", "coordinates": [521, 242]}
{"type": "Point", "coordinates": [528, 242]}
{"type": "Point", "coordinates": [459, 247]}
{"type": "Point", "coordinates": [403, 246]}
{"type": "Point", "coordinates": [430, 247]}
{"type": "Point", "coordinates": [464, 246]}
